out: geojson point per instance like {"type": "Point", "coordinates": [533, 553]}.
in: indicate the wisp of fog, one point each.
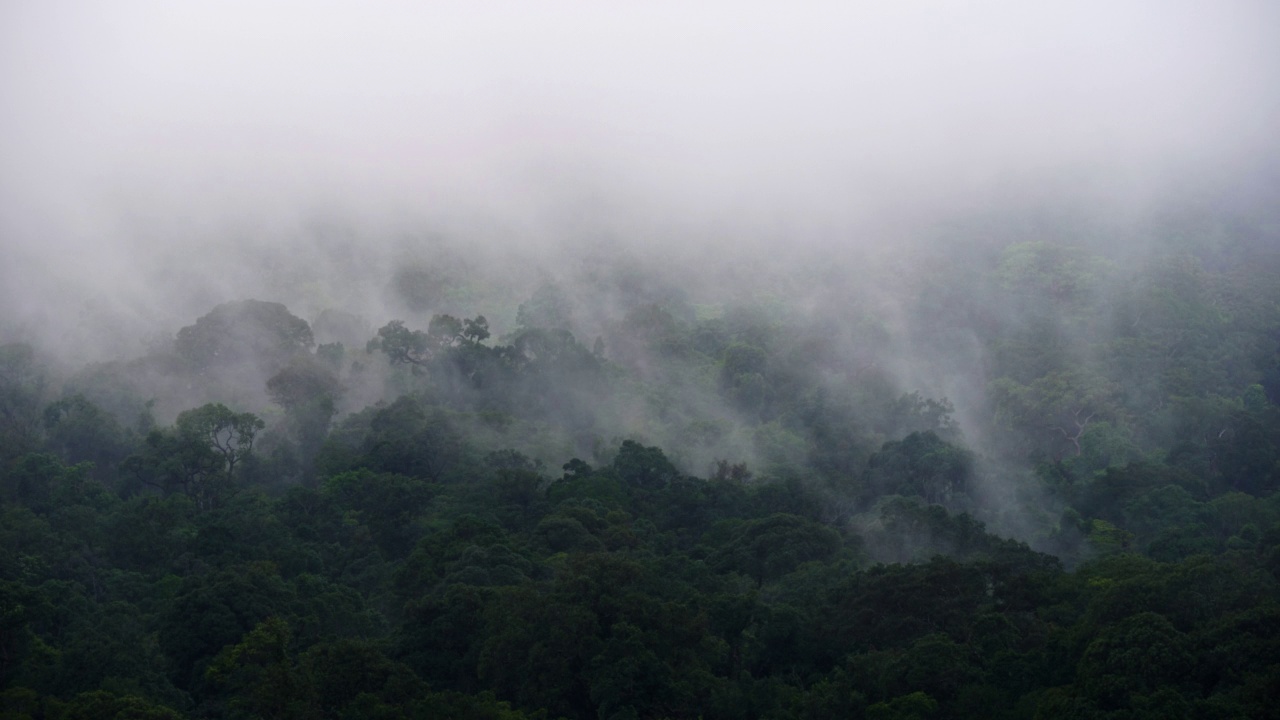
{"type": "Point", "coordinates": [160, 159]}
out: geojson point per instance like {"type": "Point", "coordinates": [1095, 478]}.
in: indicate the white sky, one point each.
{"type": "Point", "coordinates": [276, 93]}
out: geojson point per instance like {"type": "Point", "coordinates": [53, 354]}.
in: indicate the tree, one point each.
{"type": "Point", "coordinates": [408, 437]}
{"type": "Point", "coordinates": [265, 333]}
{"type": "Point", "coordinates": [644, 330]}
{"type": "Point", "coordinates": [935, 664]}
{"type": "Point", "coordinates": [400, 344]}
{"type": "Point", "coordinates": [914, 706]}
{"type": "Point", "coordinates": [768, 548]}
{"type": "Point", "coordinates": [80, 431]}
{"type": "Point", "coordinates": [228, 434]}
{"type": "Point", "coordinates": [1056, 410]}
{"type": "Point", "coordinates": [643, 467]}
{"type": "Point", "coordinates": [385, 503]}
{"type": "Point", "coordinates": [549, 308]}
{"type": "Point", "coordinates": [218, 609]}
{"type": "Point", "coordinates": [1063, 273]}
{"type": "Point", "coordinates": [338, 327]}
{"type": "Point", "coordinates": [921, 464]}
{"type": "Point", "coordinates": [1137, 655]}
{"type": "Point", "coordinates": [476, 330]}
{"type": "Point", "coordinates": [258, 673]}
{"type": "Point", "coordinates": [1247, 452]}
{"type": "Point", "coordinates": [415, 347]}
{"type": "Point", "coordinates": [309, 391]}
{"type": "Point", "coordinates": [350, 675]}
{"type": "Point", "coordinates": [911, 531]}
{"type": "Point", "coordinates": [198, 455]}
{"type": "Point", "coordinates": [101, 704]}
{"type": "Point", "coordinates": [22, 394]}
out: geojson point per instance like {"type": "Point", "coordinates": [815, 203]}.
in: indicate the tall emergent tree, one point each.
{"type": "Point", "coordinates": [199, 455]}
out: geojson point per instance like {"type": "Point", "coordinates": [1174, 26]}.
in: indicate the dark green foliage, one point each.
{"type": "Point", "coordinates": [768, 548]}
{"type": "Point", "coordinates": [106, 705]}
{"type": "Point", "coordinates": [921, 465]}
{"type": "Point", "coordinates": [22, 398]}
{"type": "Point", "coordinates": [401, 344]}
{"type": "Point", "coordinates": [849, 555]}
{"type": "Point", "coordinates": [199, 455]}
{"type": "Point", "coordinates": [407, 437]}
{"type": "Point", "coordinates": [210, 612]}
{"type": "Point", "coordinates": [386, 504]}
{"type": "Point", "coordinates": [580, 482]}
{"type": "Point", "coordinates": [444, 333]}
{"type": "Point", "coordinates": [80, 431]}
{"type": "Point", "coordinates": [1138, 656]}
{"type": "Point", "coordinates": [643, 467]}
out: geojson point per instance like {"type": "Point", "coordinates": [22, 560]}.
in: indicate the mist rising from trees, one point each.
{"type": "Point", "coordinates": [469, 308]}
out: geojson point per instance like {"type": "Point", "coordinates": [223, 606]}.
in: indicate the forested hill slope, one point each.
{"type": "Point", "coordinates": [1009, 479]}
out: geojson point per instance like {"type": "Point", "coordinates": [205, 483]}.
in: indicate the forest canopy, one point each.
{"type": "Point", "coordinates": [716, 361]}
{"type": "Point", "coordinates": [681, 508]}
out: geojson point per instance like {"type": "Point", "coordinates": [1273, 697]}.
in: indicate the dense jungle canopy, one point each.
{"type": "Point", "coordinates": [666, 508]}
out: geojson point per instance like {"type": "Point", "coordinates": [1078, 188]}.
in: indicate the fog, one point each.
{"type": "Point", "coordinates": [139, 135]}
{"type": "Point", "coordinates": [157, 159]}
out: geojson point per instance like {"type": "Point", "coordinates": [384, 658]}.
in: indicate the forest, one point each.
{"type": "Point", "coordinates": [499, 360]}
{"type": "Point", "coordinates": [626, 494]}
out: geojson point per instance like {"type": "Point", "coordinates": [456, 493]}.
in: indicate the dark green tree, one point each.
{"type": "Point", "coordinates": [199, 455]}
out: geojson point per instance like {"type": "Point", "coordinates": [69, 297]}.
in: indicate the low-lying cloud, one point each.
{"type": "Point", "coordinates": [152, 150]}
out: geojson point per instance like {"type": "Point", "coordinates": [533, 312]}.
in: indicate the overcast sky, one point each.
{"type": "Point", "coordinates": [195, 112]}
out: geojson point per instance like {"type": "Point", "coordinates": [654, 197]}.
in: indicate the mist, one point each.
{"type": "Point", "coordinates": [141, 137]}
{"type": "Point", "coordinates": [585, 360]}
{"type": "Point", "coordinates": [832, 163]}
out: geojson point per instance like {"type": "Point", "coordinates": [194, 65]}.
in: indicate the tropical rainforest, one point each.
{"type": "Point", "coordinates": [500, 360]}
{"type": "Point", "coordinates": [625, 495]}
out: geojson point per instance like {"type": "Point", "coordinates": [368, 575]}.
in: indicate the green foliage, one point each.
{"type": "Point", "coordinates": [257, 670]}
{"type": "Point", "coordinates": [643, 467]}
{"type": "Point", "coordinates": [1141, 654]}
{"type": "Point", "coordinates": [401, 344]}
{"type": "Point", "coordinates": [1056, 410]}
{"type": "Point", "coordinates": [411, 559]}
{"type": "Point", "coordinates": [309, 390]}
{"type": "Point", "coordinates": [216, 610]}
{"type": "Point", "coordinates": [414, 347]}
{"type": "Point", "coordinates": [914, 706]}
{"type": "Point", "coordinates": [199, 455]}
{"type": "Point", "coordinates": [921, 464]}
{"type": "Point", "coordinates": [408, 437]}
{"type": "Point", "coordinates": [80, 431]}
{"type": "Point", "coordinates": [1062, 272]}
{"type": "Point", "coordinates": [106, 705]}
{"type": "Point", "coordinates": [386, 504]}
{"type": "Point", "coordinates": [769, 548]}
{"type": "Point", "coordinates": [22, 391]}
